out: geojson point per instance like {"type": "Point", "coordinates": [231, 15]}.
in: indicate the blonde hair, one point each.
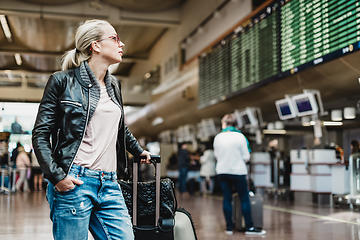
{"type": "Point", "coordinates": [86, 34]}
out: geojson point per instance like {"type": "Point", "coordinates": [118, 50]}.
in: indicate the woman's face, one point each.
{"type": "Point", "coordinates": [111, 48]}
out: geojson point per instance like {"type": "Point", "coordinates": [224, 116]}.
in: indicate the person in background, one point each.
{"type": "Point", "coordinates": [82, 110]}
{"type": "Point", "coordinates": [354, 146]}
{"type": "Point", "coordinates": [193, 175]}
{"type": "Point", "coordinates": [207, 169]}
{"type": "Point", "coordinates": [231, 152]}
{"type": "Point", "coordinates": [22, 164]}
{"type": "Point", "coordinates": [14, 152]}
{"type": "Point", "coordinates": [16, 127]}
{"type": "Point", "coordinates": [36, 172]}
{"type": "Point", "coordinates": [183, 166]}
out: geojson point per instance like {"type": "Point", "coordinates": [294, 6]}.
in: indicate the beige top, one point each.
{"type": "Point", "coordinates": [22, 160]}
{"type": "Point", "coordinates": [97, 150]}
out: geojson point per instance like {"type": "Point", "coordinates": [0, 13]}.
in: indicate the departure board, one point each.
{"type": "Point", "coordinates": [214, 74]}
{"type": "Point", "coordinates": [311, 29]}
{"type": "Point", "coordinates": [254, 51]}
{"type": "Point", "coordinates": [285, 37]}
{"type": "Point", "coordinates": [247, 56]}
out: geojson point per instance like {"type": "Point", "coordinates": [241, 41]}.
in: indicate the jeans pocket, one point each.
{"type": "Point", "coordinates": [67, 191]}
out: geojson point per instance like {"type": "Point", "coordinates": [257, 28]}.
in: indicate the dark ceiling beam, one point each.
{"type": "Point", "coordinates": [81, 11]}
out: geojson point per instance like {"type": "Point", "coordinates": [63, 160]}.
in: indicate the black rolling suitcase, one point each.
{"type": "Point", "coordinates": [178, 226]}
{"type": "Point", "coordinates": [256, 202]}
{"type": "Point", "coordinates": [162, 229]}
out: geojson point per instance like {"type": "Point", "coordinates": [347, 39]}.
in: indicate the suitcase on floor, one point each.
{"type": "Point", "coordinates": [184, 226]}
{"type": "Point", "coordinates": [256, 202]}
{"type": "Point", "coordinates": [162, 229]}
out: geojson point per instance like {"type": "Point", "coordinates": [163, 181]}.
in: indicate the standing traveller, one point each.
{"type": "Point", "coordinates": [22, 164]}
{"type": "Point", "coordinates": [183, 166]}
{"type": "Point", "coordinates": [231, 152]}
{"type": "Point", "coordinates": [207, 169]}
{"type": "Point", "coordinates": [83, 114]}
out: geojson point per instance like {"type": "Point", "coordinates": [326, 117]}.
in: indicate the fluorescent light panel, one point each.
{"type": "Point", "coordinates": [18, 59]}
{"type": "Point", "coordinates": [326, 123]}
{"type": "Point", "coordinates": [5, 27]}
{"type": "Point", "coordinates": [274, 131]}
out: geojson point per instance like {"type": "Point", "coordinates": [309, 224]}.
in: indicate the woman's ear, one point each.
{"type": "Point", "coordinates": [95, 46]}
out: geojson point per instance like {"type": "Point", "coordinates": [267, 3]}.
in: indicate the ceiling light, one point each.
{"type": "Point", "coordinates": [200, 30]}
{"type": "Point", "coordinates": [305, 121]}
{"type": "Point", "coordinates": [326, 123]}
{"type": "Point", "coordinates": [279, 125]}
{"type": "Point", "coordinates": [147, 75]}
{"type": "Point", "coordinates": [217, 14]}
{"type": "Point", "coordinates": [157, 121]}
{"type": "Point", "coordinates": [183, 45]}
{"type": "Point", "coordinates": [5, 27]}
{"type": "Point", "coordinates": [349, 113]}
{"type": "Point", "coordinates": [18, 59]}
{"type": "Point", "coordinates": [270, 126]}
{"type": "Point", "coordinates": [188, 40]}
{"type": "Point", "coordinates": [336, 115]}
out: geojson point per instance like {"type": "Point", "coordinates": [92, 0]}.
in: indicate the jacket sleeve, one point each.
{"type": "Point", "coordinates": [44, 127]}
{"type": "Point", "coordinates": [132, 145]}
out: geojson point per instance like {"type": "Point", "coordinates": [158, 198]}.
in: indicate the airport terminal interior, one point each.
{"type": "Point", "coordinates": [288, 70]}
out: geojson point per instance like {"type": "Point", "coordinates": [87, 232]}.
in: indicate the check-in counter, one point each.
{"type": "Point", "coordinates": [318, 171]}
{"type": "Point", "coordinates": [261, 169]}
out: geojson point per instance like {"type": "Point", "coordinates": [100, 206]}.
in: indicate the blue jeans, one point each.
{"type": "Point", "coordinates": [227, 182]}
{"type": "Point", "coordinates": [96, 205]}
{"type": "Point", "coordinates": [182, 179]}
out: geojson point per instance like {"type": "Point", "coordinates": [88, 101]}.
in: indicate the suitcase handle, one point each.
{"type": "Point", "coordinates": [154, 159]}
{"type": "Point", "coordinates": [157, 160]}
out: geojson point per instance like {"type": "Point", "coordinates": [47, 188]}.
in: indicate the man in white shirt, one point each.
{"type": "Point", "coordinates": [231, 151]}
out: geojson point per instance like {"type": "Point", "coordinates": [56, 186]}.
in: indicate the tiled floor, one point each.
{"type": "Point", "coordinates": [26, 216]}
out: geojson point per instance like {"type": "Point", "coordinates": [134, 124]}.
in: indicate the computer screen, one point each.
{"type": "Point", "coordinates": [305, 104]}
{"type": "Point", "coordinates": [285, 109]}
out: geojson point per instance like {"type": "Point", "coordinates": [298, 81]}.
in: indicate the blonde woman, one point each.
{"type": "Point", "coordinates": [82, 112]}
{"type": "Point", "coordinates": [22, 164]}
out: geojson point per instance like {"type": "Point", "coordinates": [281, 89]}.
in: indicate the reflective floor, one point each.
{"type": "Point", "coordinates": [26, 216]}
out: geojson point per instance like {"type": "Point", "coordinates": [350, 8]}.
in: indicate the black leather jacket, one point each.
{"type": "Point", "coordinates": [63, 115]}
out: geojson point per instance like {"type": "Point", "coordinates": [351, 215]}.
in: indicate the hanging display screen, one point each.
{"type": "Point", "coordinates": [282, 39]}
{"type": "Point", "coordinates": [312, 29]}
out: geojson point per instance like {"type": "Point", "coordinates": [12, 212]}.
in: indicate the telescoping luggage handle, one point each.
{"type": "Point", "coordinates": [156, 160]}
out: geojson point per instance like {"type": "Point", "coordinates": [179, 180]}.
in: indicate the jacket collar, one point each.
{"type": "Point", "coordinates": [81, 81]}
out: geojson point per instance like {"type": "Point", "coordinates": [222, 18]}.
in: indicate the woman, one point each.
{"type": "Point", "coordinates": [207, 169]}
{"type": "Point", "coordinates": [82, 111]}
{"type": "Point", "coordinates": [23, 164]}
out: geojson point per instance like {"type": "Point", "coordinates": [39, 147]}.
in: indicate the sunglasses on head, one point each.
{"type": "Point", "coordinates": [114, 37]}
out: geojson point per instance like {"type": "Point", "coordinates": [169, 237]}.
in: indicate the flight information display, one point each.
{"type": "Point", "coordinates": [285, 37]}
{"type": "Point", "coordinates": [247, 56]}
{"type": "Point", "coordinates": [311, 29]}
{"type": "Point", "coordinates": [214, 72]}
{"type": "Point", "coordinates": [254, 51]}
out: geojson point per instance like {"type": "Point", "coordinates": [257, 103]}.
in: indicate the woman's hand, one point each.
{"type": "Point", "coordinates": [67, 184]}
{"type": "Point", "coordinates": [148, 157]}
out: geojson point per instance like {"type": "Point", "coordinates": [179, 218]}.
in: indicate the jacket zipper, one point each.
{"type": "Point", "coordinates": [57, 140]}
{"type": "Point", "coordinates": [87, 118]}
{"type": "Point", "coordinates": [74, 103]}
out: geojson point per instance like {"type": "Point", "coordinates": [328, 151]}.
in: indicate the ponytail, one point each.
{"type": "Point", "coordinates": [87, 33]}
